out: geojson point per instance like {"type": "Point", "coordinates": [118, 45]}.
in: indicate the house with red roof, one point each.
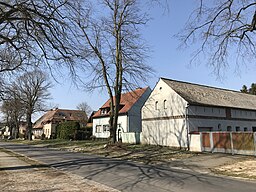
{"type": "Point", "coordinates": [129, 117]}
{"type": "Point", "coordinates": [47, 123]}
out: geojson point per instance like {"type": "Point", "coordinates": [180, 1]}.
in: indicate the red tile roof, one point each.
{"type": "Point", "coordinates": [60, 115]}
{"type": "Point", "coordinates": [127, 101]}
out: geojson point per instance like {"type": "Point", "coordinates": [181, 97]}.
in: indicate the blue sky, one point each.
{"type": "Point", "coordinates": [165, 58]}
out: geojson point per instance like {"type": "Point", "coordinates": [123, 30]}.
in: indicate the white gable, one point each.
{"type": "Point", "coordinates": [163, 102]}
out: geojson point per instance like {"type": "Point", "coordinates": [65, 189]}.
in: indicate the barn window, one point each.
{"type": "Point", "coordinates": [165, 104]}
{"type": "Point", "coordinates": [156, 105]}
{"type": "Point", "coordinates": [219, 127]}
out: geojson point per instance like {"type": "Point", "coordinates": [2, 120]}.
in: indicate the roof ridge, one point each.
{"type": "Point", "coordinates": [207, 86]}
{"type": "Point", "coordinates": [127, 98]}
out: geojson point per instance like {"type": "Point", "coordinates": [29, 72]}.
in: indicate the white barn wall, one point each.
{"type": "Point", "coordinates": [219, 124]}
{"type": "Point", "coordinates": [165, 132]}
{"type": "Point", "coordinates": [164, 126]}
{"type": "Point", "coordinates": [245, 114]}
{"type": "Point", "coordinates": [175, 105]}
{"type": "Point", "coordinates": [206, 111]}
{"type": "Point", "coordinates": [195, 123]}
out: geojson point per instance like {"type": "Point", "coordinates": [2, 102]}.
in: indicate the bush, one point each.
{"type": "Point", "coordinates": [22, 136]}
{"type": "Point", "coordinates": [43, 136]}
{"type": "Point", "coordinates": [84, 133]}
{"type": "Point", "coordinates": [67, 130]}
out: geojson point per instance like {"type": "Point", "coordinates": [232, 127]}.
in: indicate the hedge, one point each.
{"type": "Point", "coordinates": [67, 130]}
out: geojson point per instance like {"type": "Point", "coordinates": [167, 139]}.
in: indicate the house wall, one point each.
{"type": "Point", "coordinates": [7, 131]}
{"type": "Point", "coordinates": [37, 132]}
{"type": "Point", "coordinates": [122, 120]}
{"type": "Point", "coordinates": [134, 114]}
{"type": "Point", "coordinates": [49, 129]}
{"type": "Point", "coordinates": [164, 124]}
{"type": "Point", "coordinates": [218, 119]}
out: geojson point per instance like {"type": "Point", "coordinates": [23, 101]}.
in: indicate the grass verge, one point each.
{"type": "Point", "coordinates": [27, 160]}
{"type": "Point", "coordinates": [149, 154]}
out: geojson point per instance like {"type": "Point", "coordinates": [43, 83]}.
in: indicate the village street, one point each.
{"type": "Point", "coordinates": [130, 176]}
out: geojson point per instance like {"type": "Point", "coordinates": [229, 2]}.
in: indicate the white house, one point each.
{"type": "Point", "coordinates": [176, 110]}
{"type": "Point", "coordinates": [129, 118]}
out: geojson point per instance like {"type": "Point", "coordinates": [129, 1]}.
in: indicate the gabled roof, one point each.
{"type": "Point", "coordinates": [206, 95]}
{"type": "Point", "coordinates": [127, 101]}
{"type": "Point", "coordinates": [60, 114]}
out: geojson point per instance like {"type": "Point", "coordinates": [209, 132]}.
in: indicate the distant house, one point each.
{"type": "Point", "coordinates": [90, 121]}
{"type": "Point", "coordinates": [129, 118]}
{"type": "Point", "coordinates": [48, 122]}
{"type": "Point", "coordinates": [176, 110]}
{"type": "Point", "coordinates": [4, 130]}
{"type": "Point", "coordinates": [23, 128]}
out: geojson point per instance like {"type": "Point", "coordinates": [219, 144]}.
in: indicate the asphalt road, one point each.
{"type": "Point", "coordinates": [129, 176]}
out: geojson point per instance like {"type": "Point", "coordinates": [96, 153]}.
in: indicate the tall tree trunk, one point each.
{"type": "Point", "coordinates": [111, 120]}
{"type": "Point", "coordinates": [29, 126]}
{"type": "Point", "coordinates": [116, 112]}
{"type": "Point", "coordinates": [16, 131]}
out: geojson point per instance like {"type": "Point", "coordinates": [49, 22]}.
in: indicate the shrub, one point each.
{"type": "Point", "coordinates": [43, 136]}
{"type": "Point", "coordinates": [67, 130]}
{"type": "Point", "coordinates": [20, 135]}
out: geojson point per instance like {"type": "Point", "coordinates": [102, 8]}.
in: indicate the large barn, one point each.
{"type": "Point", "coordinates": [175, 110]}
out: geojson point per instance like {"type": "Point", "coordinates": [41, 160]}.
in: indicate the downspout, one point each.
{"type": "Point", "coordinates": [187, 126]}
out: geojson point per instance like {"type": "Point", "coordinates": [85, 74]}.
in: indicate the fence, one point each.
{"type": "Point", "coordinates": [133, 138]}
{"type": "Point", "coordinates": [229, 142]}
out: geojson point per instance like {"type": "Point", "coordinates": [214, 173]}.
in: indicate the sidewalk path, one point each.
{"type": "Point", "coordinates": [18, 175]}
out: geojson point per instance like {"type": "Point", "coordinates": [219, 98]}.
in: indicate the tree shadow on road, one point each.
{"type": "Point", "coordinates": [126, 175]}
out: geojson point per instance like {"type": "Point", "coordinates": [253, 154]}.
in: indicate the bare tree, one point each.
{"type": "Point", "coordinates": [114, 50]}
{"type": "Point", "coordinates": [33, 32]}
{"type": "Point", "coordinates": [84, 107]}
{"type": "Point", "coordinates": [13, 112]}
{"type": "Point", "coordinates": [32, 89]}
{"type": "Point", "coordinates": [225, 29]}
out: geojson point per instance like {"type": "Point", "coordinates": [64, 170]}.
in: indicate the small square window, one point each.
{"type": "Point", "coordinates": [105, 128]}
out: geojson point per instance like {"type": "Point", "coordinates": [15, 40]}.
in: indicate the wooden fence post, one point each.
{"type": "Point", "coordinates": [254, 139]}
{"type": "Point", "coordinates": [231, 143]}
{"type": "Point", "coordinates": [211, 142]}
